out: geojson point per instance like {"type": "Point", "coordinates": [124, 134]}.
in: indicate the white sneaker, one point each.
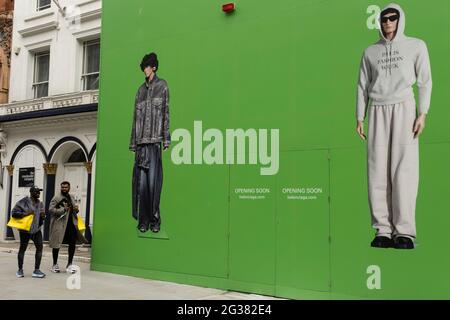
{"type": "Point", "coordinates": [71, 269]}
{"type": "Point", "coordinates": [55, 269]}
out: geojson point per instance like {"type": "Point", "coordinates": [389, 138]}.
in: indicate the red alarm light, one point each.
{"type": "Point", "coordinates": [228, 7]}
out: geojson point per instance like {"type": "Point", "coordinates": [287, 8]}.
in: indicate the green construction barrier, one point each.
{"type": "Point", "coordinates": [292, 66]}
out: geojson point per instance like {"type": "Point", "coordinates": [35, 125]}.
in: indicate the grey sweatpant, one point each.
{"type": "Point", "coordinates": [393, 168]}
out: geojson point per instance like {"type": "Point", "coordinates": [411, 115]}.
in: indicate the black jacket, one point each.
{"type": "Point", "coordinates": [151, 114]}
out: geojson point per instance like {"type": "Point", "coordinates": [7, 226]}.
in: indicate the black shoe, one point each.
{"type": "Point", "coordinates": [155, 229]}
{"type": "Point", "coordinates": [381, 242]}
{"type": "Point", "coordinates": [403, 243]}
{"type": "Point", "coordinates": [142, 228]}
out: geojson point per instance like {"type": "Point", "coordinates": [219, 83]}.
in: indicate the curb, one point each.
{"type": "Point", "coordinates": [46, 254]}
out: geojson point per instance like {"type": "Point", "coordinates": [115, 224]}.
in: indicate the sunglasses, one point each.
{"type": "Point", "coordinates": [390, 18]}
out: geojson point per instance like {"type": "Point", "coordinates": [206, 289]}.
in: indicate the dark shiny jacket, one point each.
{"type": "Point", "coordinates": [26, 205]}
{"type": "Point", "coordinates": [151, 114]}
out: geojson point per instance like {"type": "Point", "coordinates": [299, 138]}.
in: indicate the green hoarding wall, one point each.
{"type": "Point", "coordinates": [290, 65]}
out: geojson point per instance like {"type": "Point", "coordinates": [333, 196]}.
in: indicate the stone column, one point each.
{"type": "Point", "coordinates": [88, 233]}
{"type": "Point", "coordinates": [50, 176]}
{"type": "Point", "coordinates": [10, 168]}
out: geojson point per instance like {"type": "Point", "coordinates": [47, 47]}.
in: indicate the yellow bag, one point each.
{"type": "Point", "coordinates": [80, 224]}
{"type": "Point", "coordinates": [21, 224]}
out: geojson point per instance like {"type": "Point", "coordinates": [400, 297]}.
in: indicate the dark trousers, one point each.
{"type": "Point", "coordinates": [70, 238]}
{"type": "Point", "coordinates": [147, 185]}
{"type": "Point", "coordinates": [37, 240]}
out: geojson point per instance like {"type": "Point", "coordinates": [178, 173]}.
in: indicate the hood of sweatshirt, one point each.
{"type": "Point", "coordinates": [400, 35]}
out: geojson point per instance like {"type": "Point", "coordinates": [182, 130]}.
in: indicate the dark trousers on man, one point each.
{"type": "Point", "coordinates": [25, 238]}
{"type": "Point", "coordinates": [147, 186]}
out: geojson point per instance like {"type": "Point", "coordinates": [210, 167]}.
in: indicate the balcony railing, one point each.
{"type": "Point", "coordinates": [51, 102]}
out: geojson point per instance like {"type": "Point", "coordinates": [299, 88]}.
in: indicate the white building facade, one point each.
{"type": "Point", "coordinates": [48, 127]}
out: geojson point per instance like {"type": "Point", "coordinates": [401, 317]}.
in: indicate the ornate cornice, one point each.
{"type": "Point", "coordinates": [53, 121]}
{"type": "Point", "coordinates": [10, 169]}
{"type": "Point", "coordinates": [57, 101]}
{"type": "Point", "coordinates": [48, 26]}
{"type": "Point", "coordinates": [67, 102]}
{"type": "Point", "coordinates": [50, 168]}
{"type": "Point", "coordinates": [84, 3]}
{"type": "Point", "coordinates": [39, 15]}
{"type": "Point", "coordinates": [88, 166]}
{"type": "Point", "coordinates": [91, 15]}
{"type": "Point", "coordinates": [25, 107]}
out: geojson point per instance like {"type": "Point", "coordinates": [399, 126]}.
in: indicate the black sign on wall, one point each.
{"type": "Point", "coordinates": [26, 177]}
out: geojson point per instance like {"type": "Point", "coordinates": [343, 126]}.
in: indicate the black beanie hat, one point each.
{"type": "Point", "coordinates": [149, 60]}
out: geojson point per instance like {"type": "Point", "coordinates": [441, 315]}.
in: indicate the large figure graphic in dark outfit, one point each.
{"type": "Point", "coordinates": [150, 130]}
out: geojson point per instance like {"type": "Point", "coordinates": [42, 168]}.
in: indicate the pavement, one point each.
{"type": "Point", "coordinates": [82, 254]}
{"type": "Point", "coordinates": [92, 284]}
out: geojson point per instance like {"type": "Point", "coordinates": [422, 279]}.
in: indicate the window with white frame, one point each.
{"type": "Point", "coordinates": [43, 4]}
{"type": "Point", "coordinates": [91, 64]}
{"type": "Point", "coordinates": [41, 74]}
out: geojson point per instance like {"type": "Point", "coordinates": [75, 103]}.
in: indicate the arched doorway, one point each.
{"type": "Point", "coordinates": [29, 157]}
{"type": "Point", "coordinates": [71, 159]}
{"type": "Point", "coordinates": [28, 170]}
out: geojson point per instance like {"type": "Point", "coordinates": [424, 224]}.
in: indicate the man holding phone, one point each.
{"type": "Point", "coordinates": [64, 226]}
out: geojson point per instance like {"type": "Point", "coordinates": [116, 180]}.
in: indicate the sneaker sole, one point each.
{"type": "Point", "coordinates": [403, 248]}
{"type": "Point", "coordinates": [37, 277]}
{"type": "Point", "coordinates": [381, 246]}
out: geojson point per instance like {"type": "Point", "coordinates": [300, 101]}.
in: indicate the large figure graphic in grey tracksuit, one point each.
{"type": "Point", "coordinates": [150, 130]}
{"type": "Point", "coordinates": [389, 68]}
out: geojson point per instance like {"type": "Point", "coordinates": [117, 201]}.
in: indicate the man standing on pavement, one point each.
{"type": "Point", "coordinates": [30, 205]}
{"type": "Point", "coordinates": [64, 226]}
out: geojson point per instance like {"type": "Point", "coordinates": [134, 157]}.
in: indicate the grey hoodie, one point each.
{"type": "Point", "coordinates": [389, 69]}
